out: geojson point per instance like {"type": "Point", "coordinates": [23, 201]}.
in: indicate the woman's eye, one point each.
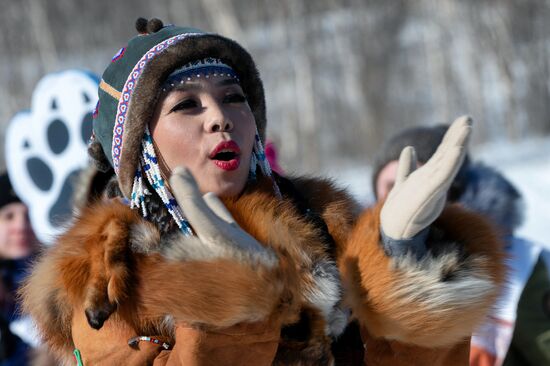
{"type": "Point", "coordinates": [6, 216]}
{"type": "Point", "coordinates": [234, 98]}
{"type": "Point", "coordinates": [185, 104]}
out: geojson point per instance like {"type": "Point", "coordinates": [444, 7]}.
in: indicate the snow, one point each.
{"type": "Point", "coordinates": [525, 163]}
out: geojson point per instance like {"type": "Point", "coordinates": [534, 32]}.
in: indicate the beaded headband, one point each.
{"type": "Point", "coordinates": [200, 68]}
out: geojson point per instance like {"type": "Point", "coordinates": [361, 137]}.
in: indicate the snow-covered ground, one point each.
{"type": "Point", "coordinates": [525, 163]}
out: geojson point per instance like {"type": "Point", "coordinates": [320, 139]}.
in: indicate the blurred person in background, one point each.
{"type": "Point", "coordinates": [517, 332]}
{"type": "Point", "coordinates": [155, 269]}
{"type": "Point", "coordinates": [17, 246]}
{"type": "Point", "coordinates": [17, 239]}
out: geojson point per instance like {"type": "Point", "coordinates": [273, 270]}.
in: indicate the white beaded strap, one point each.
{"type": "Point", "coordinates": [148, 165]}
{"type": "Point", "coordinates": [258, 157]}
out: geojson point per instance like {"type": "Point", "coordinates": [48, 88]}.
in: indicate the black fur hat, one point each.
{"type": "Point", "coordinates": [7, 194]}
{"type": "Point", "coordinates": [425, 141]}
{"type": "Point", "coordinates": [131, 85]}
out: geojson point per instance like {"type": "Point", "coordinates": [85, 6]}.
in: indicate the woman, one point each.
{"type": "Point", "coordinates": [272, 275]}
{"type": "Point", "coordinates": [17, 245]}
{"type": "Point", "coordinates": [17, 239]}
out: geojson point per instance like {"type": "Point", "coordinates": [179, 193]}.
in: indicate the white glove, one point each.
{"type": "Point", "coordinates": [418, 196]}
{"type": "Point", "coordinates": [212, 222]}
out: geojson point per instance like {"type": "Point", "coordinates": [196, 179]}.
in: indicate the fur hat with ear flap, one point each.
{"type": "Point", "coordinates": [131, 86]}
{"type": "Point", "coordinates": [425, 141]}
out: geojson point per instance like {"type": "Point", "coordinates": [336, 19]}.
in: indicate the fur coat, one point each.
{"type": "Point", "coordinates": [116, 272]}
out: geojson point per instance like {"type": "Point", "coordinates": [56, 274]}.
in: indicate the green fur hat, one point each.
{"type": "Point", "coordinates": [131, 85]}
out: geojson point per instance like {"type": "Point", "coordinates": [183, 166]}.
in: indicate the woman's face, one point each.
{"type": "Point", "coordinates": [206, 125]}
{"type": "Point", "coordinates": [386, 179]}
{"type": "Point", "coordinates": [17, 239]}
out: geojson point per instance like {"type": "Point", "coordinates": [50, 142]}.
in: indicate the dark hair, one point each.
{"type": "Point", "coordinates": [7, 194]}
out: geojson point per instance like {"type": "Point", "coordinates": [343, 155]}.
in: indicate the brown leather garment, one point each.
{"type": "Point", "coordinates": [241, 344]}
{"type": "Point", "coordinates": [381, 352]}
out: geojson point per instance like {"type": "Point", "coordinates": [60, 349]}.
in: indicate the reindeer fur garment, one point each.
{"type": "Point", "coordinates": [113, 261]}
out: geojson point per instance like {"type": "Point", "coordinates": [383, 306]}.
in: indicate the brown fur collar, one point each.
{"type": "Point", "coordinates": [110, 247]}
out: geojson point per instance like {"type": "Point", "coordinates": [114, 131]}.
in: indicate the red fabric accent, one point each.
{"type": "Point", "coordinates": [480, 357]}
{"type": "Point", "coordinates": [271, 156]}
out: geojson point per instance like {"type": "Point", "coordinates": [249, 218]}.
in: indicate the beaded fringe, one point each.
{"type": "Point", "coordinates": [148, 165]}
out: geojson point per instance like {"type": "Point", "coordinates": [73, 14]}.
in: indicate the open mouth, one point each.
{"type": "Point", "coordinates": [226, 155]}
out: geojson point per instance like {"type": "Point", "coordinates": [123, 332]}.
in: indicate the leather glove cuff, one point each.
{"type": "Point", "coordinates": [416, 245]}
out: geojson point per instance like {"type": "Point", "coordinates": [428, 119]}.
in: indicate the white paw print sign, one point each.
{"type": "Point", "coordinates": [46, 147]}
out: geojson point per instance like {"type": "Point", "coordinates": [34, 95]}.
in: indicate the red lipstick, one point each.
{"type": "Point", "coordinates": [226, 155]}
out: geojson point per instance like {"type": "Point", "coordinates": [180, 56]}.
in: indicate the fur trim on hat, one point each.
{"type": "Point", "coordinates": [146, 93]}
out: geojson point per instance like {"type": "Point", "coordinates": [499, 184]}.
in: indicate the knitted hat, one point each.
{"type": "Point", "coordinates": [425, 141]}
{"type": "Point", "coordinates": [7, 194]}
{"type": "Point", "coordinates": [131, 85]}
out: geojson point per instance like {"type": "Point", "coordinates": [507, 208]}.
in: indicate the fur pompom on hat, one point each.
{"type": "Point", "coordinates": [131, 86]}
{"type": "Point", "coordinates": [425, 141]}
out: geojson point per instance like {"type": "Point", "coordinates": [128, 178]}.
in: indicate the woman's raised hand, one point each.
{"type": "Point", "coordinates": [419, 196]}
{"type": "Point", "coordinates": [212, 222]}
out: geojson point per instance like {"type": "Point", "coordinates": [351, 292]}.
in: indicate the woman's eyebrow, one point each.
{"type": "Point", "coordinates": [226, 82]}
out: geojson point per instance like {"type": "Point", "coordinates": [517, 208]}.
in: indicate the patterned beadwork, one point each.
{"type": "Point", "coordinates": [128, 89]}
{"type": "Point", "coordinates": [119, 54]}
{"type": "Point", "coordinates": [258, 157]}
{"type": "Point", "coordinates": [96, 111]}
{"type": "Point", "coordinates": [148, 165]}
{"type": "Point", "coordinates": [133, 342]}
{"type": "Point", "coordinates": [196, 69]}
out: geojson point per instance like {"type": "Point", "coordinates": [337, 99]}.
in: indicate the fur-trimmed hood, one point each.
{"type": "Point", "coordinates": [489, 193]}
